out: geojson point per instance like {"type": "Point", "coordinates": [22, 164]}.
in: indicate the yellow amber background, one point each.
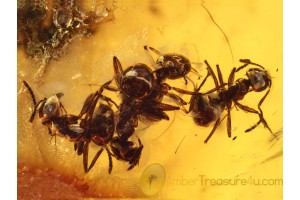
{"type": "Point", "coordinates": [254, 31]}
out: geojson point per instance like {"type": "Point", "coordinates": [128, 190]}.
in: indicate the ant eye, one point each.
{"type": "Point", "coordinates": [257, 80]}
{"type": "Point", "coordinates": [50, 109]}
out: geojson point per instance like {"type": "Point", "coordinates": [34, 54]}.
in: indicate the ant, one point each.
{"type": "Point", "coordinates": [170, 65]}
{"type": "Point", "coordinates": [99, 126]}
{"type": "Point", "coordinates": [207, 107]}
{"type": "Point", "coordinates": [96, 126]}
{"type": "Point", "coordinates": [54, 116]}
{"type": "Point", "coordinates": [142, 94]}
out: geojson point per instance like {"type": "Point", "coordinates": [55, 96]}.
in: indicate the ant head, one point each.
{"type": "Point", "coordinates": [137, 81]}
{"type": "Point", "coordinates": [51, 108]}
{"type": "Point", "coordinates": [259, 78]}
{"type": "Point", "coordinates": [177, 65]}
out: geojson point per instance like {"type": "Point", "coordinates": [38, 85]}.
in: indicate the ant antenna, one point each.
{"type": "Point", "coordinates": [204, 80]}
{"type": "Point", "coordinates": [31, 92]}
{"type": "Point", "coordinates": [33, 99]}
{"type": "Point", "coordinates": [246, 63]}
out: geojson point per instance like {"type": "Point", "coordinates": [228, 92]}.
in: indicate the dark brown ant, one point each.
{"type": "Point", "coordinates": [54, 116]}
{"type": "Point", "coordinates": [207, 107]}
{"type": "Point", "coordinates": [141, 96]}
{"type": "Point", "coordinates": [98, 125]}
{"type": "Point", "coordinates": [170, 65]}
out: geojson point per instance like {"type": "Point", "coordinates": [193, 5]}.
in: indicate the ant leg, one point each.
{"type": "Point", "coordinates": [60, 105]}
{"type": "Point", "coordinates": [261, 118]}
{"type": "Point", "coordinates": [264, 122]}
{"type": "Point", "coordinates": [228, 106]}
{"type": "Point", "coordinates": [164, 107]}
{"type": "Point", "coordinates": [155, 114]}
{"type": "Point", "coordinates": [202, 83]}
{"type": "Point", "coordinates": [111, 88]}
{"type": "Point", "coordinates": [104, 86]}
{"type": "Point", "coordinates": [220, 76]}
{"type": "Point", "coordinates": [184, 77]}
{"type": "Point", "coordinates": [212, 73]}
{"type": "Point", "coordinates": [228, 119]}
{"type": "Point", "coordinates": [253, 127]}
{"type": "Point", "coordinates": [52, 135]}
{"type": "Point", "coordinates": [78, 146]}
{"type": "Point", "coordinates": [177, 98]}
{"type": "Point", "coordinates": [230, 82]}
{"type": "Point", "coordinates": [182, 91]}
{"type": "Point", "coordinates": [166, 87]}
{"type": "Point", "coordinates": [87, 104]}
{"type": "Point", "coordinates": [118, 69]}
{"type": "Point", "coordinates": [85, 156]}
{"type": "Point", "coordinates": [191, 80]}
{"type": "Point", "coordinates": [263, 99]}
{"type": "Point", "coordinates": [95, 159]}
{"type": "Point", "coordinates": [109, 100]}
{"type": "Point", "coordinates": [213, 130]}
{"type": "Point", "coordinates": [246, 108]}
{"type": "Point", "coordinates": [179, 101]}
{"type": "Point", "coordinates": [136, 157]}
{"type": "Point", "coordinates": [231, 77]}
{"type": "Point", "coordinates": [109, 161]}
{"type": "Point", "coordinates": [261, 112]}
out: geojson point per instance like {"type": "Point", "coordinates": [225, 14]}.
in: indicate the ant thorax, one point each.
{"type": "Point", "coordinates": [137, 81]}
{"type": "Point", "coordinates": [61, 126]}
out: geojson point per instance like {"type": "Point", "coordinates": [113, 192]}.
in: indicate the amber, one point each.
{"type": "Point", "coordinates": [249, 167]}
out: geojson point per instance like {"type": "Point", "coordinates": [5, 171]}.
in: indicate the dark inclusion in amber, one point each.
{"type": "Point", "coordinates": [46, 27]}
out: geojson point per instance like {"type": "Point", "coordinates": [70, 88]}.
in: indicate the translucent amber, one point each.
{"type": "Point", "coordinates": [249, 167]}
